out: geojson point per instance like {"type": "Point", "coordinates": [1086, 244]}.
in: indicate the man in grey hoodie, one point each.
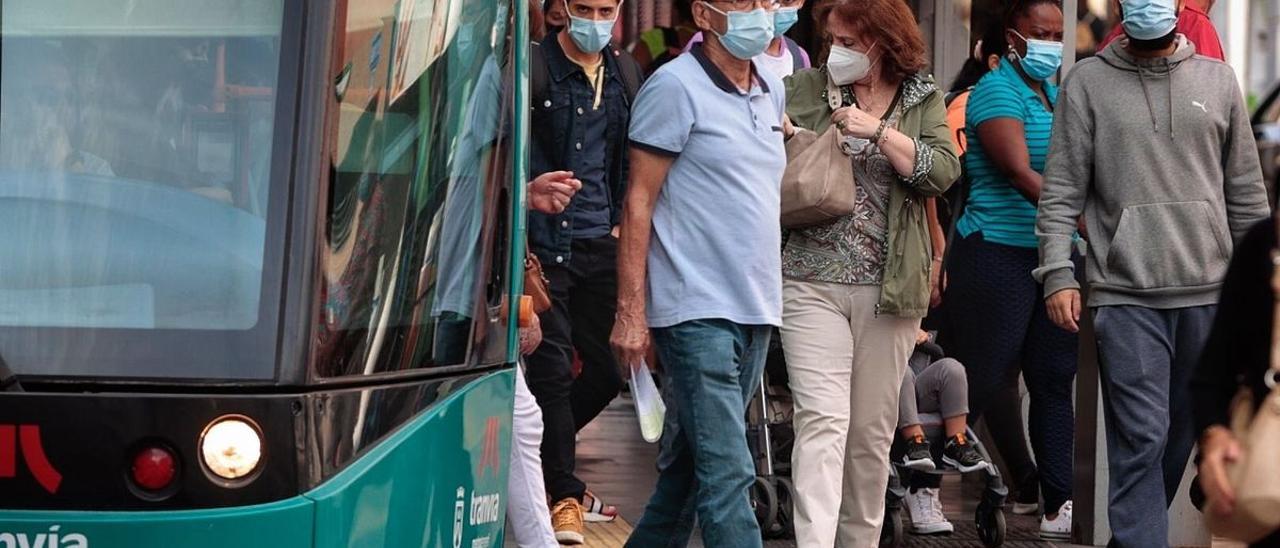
{"type": "Point", "coordinates": [1152, 144]}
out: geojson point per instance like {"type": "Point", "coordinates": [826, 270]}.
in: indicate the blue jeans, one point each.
{"type": "Point", "coordinates": [712, 368]}
{"type": "Point", "coordinates": [1147, 357]}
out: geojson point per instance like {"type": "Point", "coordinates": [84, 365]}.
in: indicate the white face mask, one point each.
{"type": "Point", "coordinates": [847, 66]}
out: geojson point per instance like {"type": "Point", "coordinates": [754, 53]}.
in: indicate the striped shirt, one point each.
{"type": "Point", "coordinates": [994, 206]}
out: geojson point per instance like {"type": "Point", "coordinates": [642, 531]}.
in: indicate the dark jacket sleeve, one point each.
{"type": "Point", "coordinates": [1239, 344]}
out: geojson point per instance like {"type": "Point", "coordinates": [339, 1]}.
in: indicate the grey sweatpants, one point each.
{"type": "Point", "coordinates": [940, 388]}
{"type": "Point", "coordinates": [1146, 358]}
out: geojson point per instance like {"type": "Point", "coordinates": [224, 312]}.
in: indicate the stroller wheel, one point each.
{"type": "Point", "coordinates": [991, 525]}
{"type": "Point", "coordinates": [764, 501]}
{"type": "Point", "coordinates": [784, 524]}
{"type": "Point", "coordinates": [892, 532]}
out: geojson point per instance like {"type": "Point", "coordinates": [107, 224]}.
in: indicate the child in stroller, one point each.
{"type": "Point", "coordinates": [935, 384]}
{"type": "Point", "coordinates": [934, 403]}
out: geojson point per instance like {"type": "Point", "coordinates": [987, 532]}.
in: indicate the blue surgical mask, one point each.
{"type": "Point", "coordinates": [590, 36]}
{"type": "Point", "coordinates": [1149, 19]}
{"type": "Point", "coordinates": [748, 34]}
{"type": "Point", "coordinates": [783, 19]}
{"type": "Point", "coordinates": [1042, 60]}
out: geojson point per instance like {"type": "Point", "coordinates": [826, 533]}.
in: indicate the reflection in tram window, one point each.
{"type": "Point", "coordinates": [416, 167]}
{"type": "Point", "coordinates": [135, 144]}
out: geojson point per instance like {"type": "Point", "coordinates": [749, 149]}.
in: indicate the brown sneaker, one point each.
{"type": "Point", "coordinates": [566, 519]}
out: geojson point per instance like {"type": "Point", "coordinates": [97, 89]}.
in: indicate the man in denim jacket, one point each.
{"type": "Point", "coordinates": [581, 102]}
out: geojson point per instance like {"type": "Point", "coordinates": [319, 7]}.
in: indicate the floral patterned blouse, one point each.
{"type": "Point", "coordinates": [849, 250]}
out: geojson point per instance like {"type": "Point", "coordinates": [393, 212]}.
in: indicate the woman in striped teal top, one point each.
{"type": "Point", "coordinates": [1003, 183]}
{"type": "Point", "coordinates": [999, 325]}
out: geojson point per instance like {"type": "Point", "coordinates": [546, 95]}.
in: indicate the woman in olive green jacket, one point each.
{"type": "Point", "coordinates": [855, 289]}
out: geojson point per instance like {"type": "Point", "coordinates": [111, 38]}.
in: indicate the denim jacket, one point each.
{"type": "Point", "coordinates": [555, 129]}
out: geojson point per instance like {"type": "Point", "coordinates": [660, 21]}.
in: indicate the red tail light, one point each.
{"type": "Point", "coordinates": [154, 468]}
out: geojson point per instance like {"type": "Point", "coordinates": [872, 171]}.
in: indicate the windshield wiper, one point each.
{"type": "Point", "coordinates": [8, 379]}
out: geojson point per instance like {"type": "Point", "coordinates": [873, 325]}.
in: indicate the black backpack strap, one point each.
{"type": "Point", "coordinates": [958, 195]}
{"type": "Point", "coordinates": [797, 54]}
{"type": "Point", "coordinates": [539, 75]}
{"type": "Point", "coordinates": [630, 71]}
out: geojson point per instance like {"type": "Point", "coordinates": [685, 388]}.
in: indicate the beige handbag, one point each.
{"type": "Point", "coordinates": [1255, 477]}
{"type": "Point", "coordinates": [818, 185]}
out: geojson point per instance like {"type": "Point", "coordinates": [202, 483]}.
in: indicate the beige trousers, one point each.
{"type": "Point", "coordinates": [846, 366]}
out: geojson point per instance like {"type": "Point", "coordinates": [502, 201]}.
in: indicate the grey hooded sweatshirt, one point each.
{"type": "Point", "coordinates": [1159, 156]}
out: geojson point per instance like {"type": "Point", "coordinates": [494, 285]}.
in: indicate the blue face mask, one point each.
{"type": "Point", "coordinates": [1042, 60]}
{"type": "Point", "coordinates": [1149, 19]}
{"type": "Point", "coordinates": [783, 19]}
{"type": "Point", "coordinates": [590, 36]}
{"type": "Point", "coordinates": [749, 32]}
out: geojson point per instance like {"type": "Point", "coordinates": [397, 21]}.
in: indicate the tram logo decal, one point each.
{"type": "Point", "coordinates": [490, 457]}
{"type": "Point", "coordinates": [485, 508]}
{"type": "Point", "coordinates": [50, 539]}
{"type": "Point", "coordinates": [473, 511]}
{"type": "Point", "coordinates": [26, 437]}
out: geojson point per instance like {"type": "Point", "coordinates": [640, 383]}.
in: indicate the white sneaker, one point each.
{"type": "Point", "coordinates": [1058, 528]}
{"type": "Point", "coordinates": [925, 510]}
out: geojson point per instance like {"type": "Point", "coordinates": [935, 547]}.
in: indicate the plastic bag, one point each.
{"type": "Point", "coordinates": [649, 407]}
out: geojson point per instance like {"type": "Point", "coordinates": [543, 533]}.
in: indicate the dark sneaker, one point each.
{"type": "Point", "coordinates": [961, 454]}
{"type": "Point", "coordinates": [918, 456]}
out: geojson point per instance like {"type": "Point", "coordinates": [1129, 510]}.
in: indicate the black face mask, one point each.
{"type": "Point", "coordinates": [1156, 44]}
{"type": "Point", "coordinates": [552, 29]}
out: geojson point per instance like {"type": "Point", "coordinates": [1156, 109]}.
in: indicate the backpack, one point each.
{"type": "Point", "coordinates": [954, 198]}
{"type": "Point", "coordinates": [540, 76]}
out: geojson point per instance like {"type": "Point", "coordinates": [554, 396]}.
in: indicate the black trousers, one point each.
{"type": "Point", "coordinates": [999, 326]}
{"type": "Point", "coordinates": [584, 293]}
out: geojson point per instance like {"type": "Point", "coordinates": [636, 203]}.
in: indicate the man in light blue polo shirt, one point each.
{"type": "Point", "coordinates": [700, 220]}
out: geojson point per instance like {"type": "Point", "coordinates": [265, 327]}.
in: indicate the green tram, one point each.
{"type": "Point", "coordinates": [256, 272]}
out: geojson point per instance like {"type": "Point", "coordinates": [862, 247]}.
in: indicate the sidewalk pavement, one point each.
{"type": "Point", "coordinates": [618, 466]}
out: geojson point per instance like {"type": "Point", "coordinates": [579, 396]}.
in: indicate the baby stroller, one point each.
{"type": "Point", "coordinates": [770, 437]}
{"type": "Point", "coordinates": [989, 517]}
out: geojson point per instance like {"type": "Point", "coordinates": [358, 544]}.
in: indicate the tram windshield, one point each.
{"type": "Point", "coordinates": [137, 152]}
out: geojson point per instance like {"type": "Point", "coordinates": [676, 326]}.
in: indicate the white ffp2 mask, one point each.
{"type": "Point", "coordinates": [847, 66]}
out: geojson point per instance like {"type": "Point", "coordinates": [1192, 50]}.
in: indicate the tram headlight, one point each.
{"type": "Point", "coordinates": [231, 447]}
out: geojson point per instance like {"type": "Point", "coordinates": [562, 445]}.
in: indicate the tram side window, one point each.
{"type": "Point", "coordinates": [417, 162]}
{"type": "Point", "coordinates": [136, 141]}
